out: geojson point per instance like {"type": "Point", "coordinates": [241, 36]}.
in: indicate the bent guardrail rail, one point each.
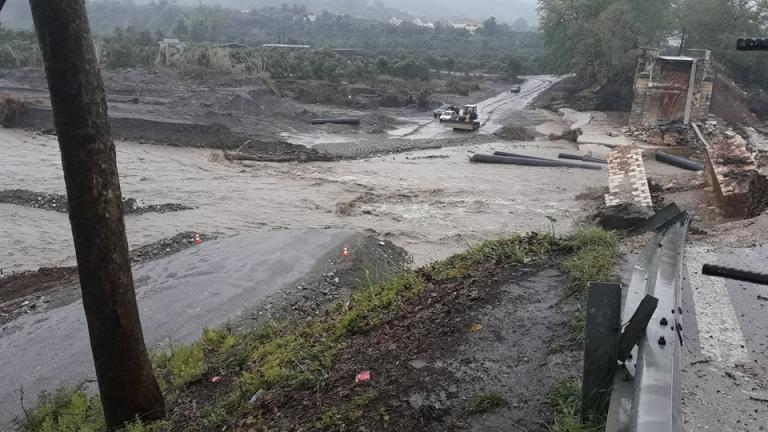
{"type": "Point", "coordinates": [643, 356]}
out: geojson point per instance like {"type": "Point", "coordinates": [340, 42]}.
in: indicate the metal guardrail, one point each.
{"type": "Point", "coordinates": [644, 393]}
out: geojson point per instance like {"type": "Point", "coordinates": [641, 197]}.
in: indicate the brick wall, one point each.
{"type": "Point", "coordinates": [657, 89]}
{"type": "Point", "coordinates": [627, 182]}
{"type": "Point", "coordinates": [729, 169]}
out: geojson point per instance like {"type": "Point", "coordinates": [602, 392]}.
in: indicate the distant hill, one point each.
{"type": "Point", "coordinates": [16, 13]}
{"type": "Point", "coordinates": [446, 10]}
{"type": "Point", "coordinates": [504, 10]}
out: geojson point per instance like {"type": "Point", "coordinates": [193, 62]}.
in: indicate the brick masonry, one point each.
{"type": "Point", "coordinates": [757, 200]}
{"type": "Point", "coordinates": [661, 87]}
{"type": "Point", "coordinates": [627, 183]}
{"type": "Point", "coordinates": [730, 170]}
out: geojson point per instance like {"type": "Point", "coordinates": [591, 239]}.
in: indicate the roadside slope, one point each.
{"type": "Point", "coordinates": [178, 296]}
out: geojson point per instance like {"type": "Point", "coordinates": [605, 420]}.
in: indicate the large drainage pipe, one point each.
{"type": "Point", "coordinates": [581, 158]}
{"type": "Point", "coordinates": [517, 155]}
{"type": "Point", "coordinates": [678, 161]}
{"type": "Point", "coordinates": [344, 121]}
{"type": "Point", "coordinates": [483, 158]}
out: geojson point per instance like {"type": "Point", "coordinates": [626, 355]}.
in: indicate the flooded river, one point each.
{"type": "Point", "coordinates": [430, 206]}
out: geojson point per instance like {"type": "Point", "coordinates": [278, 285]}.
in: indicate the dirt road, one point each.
{"type": "Point", "coordinates": [492, 111]}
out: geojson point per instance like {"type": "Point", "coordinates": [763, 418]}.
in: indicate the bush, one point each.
{"type": "Point", "coordinates": [65, 411]}
{"type": "Point", "coordinates": [10, 109]}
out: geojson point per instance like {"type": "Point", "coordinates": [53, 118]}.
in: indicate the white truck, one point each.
{"type": "Point", "coordinates": [465, 119]}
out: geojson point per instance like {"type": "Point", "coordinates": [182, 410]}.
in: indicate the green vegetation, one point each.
{"type": "Point", "coordinates": [183, 364]}
{"type": "Point", "coordinates": [486, 403]}
{"type": "Point", "coordinates": [74, 411]}
{"type": "Point", "coordinates": [282, 357]}
{"type": "Point", "coordinates": [65, 411]}
{"type": "Point", "coordinates": [598, 39]}
{"type": "Point", "coordinates": [564, 400]}
{"type": "Point", "coordinates": [595, 256]}
{"type": "Point", "coordinates": [128, 35]}
{"type": "Point", "coordinates": [516, 249]}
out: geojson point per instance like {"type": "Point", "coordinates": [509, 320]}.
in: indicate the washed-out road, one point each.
{"type": "Point", "coordinates": [725, 349]}
{"type": "Point", "coordinates": [492, 112]}
{"type": "Point", "coordinates": [178, 296]}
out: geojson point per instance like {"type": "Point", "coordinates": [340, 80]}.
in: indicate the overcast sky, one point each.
{"type": "Point", "coordinates": [16, 11]}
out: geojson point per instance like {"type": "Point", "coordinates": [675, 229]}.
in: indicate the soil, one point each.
{"type": "Point", "coordinates": [455, 341]}
{"type": "Point", "coordinates": [427, 364]}
{"type": "Point", "coordinates": [516, 133]}
{"type": "Point", "coordinates": [372, 260]}
{"type": "Point", "coordinates": [622, 217]}
{"type": "Point", "coordinates": [223, 112]}
{"type": "Point", "coordinates": [58, 202]}
{"type": "Point", "coordinates": [50, 287]}
{"type": "Point", "coordinates": [731, 103]}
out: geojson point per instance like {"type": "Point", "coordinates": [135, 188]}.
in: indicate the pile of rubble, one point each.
{"type": "Point", "coordinates": [670, 134]}
{"type": "Point", "coordinates": [58, 202]}
{"type": "Point", "coordinates": [740, 189]}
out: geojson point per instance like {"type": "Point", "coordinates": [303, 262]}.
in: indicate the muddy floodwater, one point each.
{"type": "Point", "coordinates": [431, 202]}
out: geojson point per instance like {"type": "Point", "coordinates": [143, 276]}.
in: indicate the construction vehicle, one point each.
{"type": "Point", "coordinates": [464, 119]}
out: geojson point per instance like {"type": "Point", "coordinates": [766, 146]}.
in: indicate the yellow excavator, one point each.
{"type": "Point", "coordinates": [464, 119]}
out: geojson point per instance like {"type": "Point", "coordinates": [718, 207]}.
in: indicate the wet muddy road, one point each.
{"type": "Point", "coordinates": [430, 206]}
{"type": "Point", "coordinates": [492, 112]}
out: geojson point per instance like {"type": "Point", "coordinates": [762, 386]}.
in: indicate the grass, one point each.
{"type": "Point", "coordinates": [72, 410]}
{"type": "Point", "coordinates": [283, 356]}
{"type": "Point", "coordinates": [486, 402]}
{"type": "Point", "coordinates": [594, 258]}
{"type": "Point", "coordinates": [564, 400]}
{"type": "Point", "coordinates": [512, 250]}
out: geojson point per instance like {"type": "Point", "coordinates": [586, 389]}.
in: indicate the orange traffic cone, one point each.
{"type": "Point", "coordinates": [198, 240]}
{"type": "Point", "coordinates": [345, 251]}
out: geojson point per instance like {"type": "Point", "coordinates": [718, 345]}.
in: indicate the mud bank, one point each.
{"type": "Point", "coordinates": [167, 132]}
{"type": "Point", "coordinates": [432, 342]}
{"type": "Point", "coordinates": [58, 202]}
{"type": "Point", "coordinates": [51, 287]}
{"type": "Point", "coordinates": [201, 287]}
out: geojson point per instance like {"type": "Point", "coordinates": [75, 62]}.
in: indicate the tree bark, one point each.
{"type": "Point", "coordinates": [127, 387]}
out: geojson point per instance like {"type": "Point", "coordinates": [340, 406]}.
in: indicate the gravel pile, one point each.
{"type": "Point", "coordinates": [58, 202]}
{"type": "Point", "coordinates": [167, 246]}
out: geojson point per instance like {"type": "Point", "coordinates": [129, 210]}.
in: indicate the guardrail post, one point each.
{"type": "Point", "coordinates": [601, 345]}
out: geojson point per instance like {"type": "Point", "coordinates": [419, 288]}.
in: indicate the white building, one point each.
{"type": "Point", "coordinates": [467, 24]}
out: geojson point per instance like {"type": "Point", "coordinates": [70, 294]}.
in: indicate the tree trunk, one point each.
{"type": "Point", "coordinates": [127, 386]}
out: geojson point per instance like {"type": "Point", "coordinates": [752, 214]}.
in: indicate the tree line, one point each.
{"type": "Point", "coordinates": [405, 50]}
{"type": "Point", "coordinates": [598, 39]}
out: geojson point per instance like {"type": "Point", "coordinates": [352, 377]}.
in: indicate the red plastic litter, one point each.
{"type": "Point", "coordinates": [363, 376]}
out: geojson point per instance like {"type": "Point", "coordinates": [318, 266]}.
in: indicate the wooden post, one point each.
{"type": "Point", "coordinates": [127, 387]}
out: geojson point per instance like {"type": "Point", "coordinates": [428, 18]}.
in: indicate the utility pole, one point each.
{"type": "Point", "coordinates": [682, 42]}
{"type": "Point", "coordinates": [127, 387]}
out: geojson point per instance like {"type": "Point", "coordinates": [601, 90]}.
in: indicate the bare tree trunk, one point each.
{"type": "Point", "coordinates": [127, 386]}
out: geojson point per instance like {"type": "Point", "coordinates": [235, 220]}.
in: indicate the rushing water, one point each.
{"type": "Point", "coordinates": [432, 207]}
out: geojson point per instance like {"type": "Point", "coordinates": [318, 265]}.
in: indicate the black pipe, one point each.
{"type": "Point", "coordinates": [735, 274]}
{"type": "Point", "coordinates": [483, 158]}
{"type": "Point", "coordinates": [678, 161]}
{"type": "Point", "coordinates": [343, 120]}
{"type": "Point", "coordinates": [581, 158]}
{"type": "Point", "coordinates": [507, 154]}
